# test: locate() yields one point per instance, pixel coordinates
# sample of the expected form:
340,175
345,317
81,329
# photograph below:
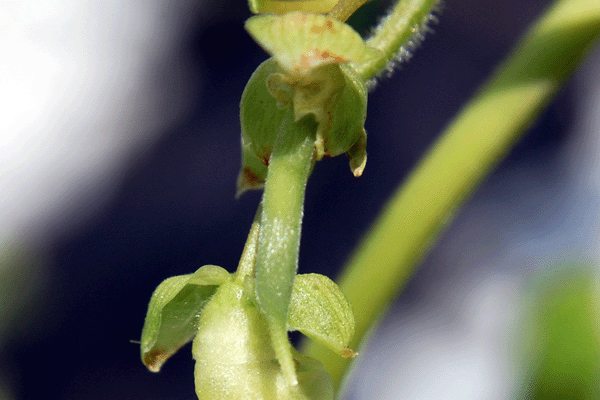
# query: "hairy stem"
279,240
407,19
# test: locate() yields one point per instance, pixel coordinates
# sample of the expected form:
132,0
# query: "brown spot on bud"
328,55
248,180
310,58
265,158
318,29
154,359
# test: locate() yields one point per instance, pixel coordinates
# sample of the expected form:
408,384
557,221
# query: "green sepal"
314,75
337,98
173,311
332,93
302,41
253,172
320,310
260,119
235,357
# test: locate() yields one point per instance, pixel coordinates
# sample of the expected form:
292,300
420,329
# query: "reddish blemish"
155,358
348,353
318,29
264,159
250,179
315,56
338,59
305,62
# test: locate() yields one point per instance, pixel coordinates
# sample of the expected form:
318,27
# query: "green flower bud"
310,72
235,359
234,353
337,98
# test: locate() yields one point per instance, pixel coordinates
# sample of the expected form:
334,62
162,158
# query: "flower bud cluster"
310,72
234,354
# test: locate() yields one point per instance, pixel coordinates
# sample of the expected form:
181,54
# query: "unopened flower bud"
235,359
309,72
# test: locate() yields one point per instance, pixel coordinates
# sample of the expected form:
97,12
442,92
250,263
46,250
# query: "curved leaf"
321,311
173,311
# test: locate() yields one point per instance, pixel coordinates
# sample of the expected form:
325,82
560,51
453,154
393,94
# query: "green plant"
308,102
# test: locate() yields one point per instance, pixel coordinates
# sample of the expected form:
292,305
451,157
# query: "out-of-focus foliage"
561,352
471,146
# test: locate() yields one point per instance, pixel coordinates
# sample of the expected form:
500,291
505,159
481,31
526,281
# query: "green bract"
172,317
309,72
320,310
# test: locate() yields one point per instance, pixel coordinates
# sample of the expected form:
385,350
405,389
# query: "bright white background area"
79,98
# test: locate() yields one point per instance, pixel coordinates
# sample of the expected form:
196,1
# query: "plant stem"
343,9
279,241
403,23
471,146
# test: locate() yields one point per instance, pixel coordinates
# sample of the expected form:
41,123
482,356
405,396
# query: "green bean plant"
309,101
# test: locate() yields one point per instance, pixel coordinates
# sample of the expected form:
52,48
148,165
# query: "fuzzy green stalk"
398,28
279,240
475,142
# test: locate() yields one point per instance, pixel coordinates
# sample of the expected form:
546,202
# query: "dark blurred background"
78,274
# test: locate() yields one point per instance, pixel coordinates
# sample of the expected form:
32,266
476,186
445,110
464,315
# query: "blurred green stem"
477,139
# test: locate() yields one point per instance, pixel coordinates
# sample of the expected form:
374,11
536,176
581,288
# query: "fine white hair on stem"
405,52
